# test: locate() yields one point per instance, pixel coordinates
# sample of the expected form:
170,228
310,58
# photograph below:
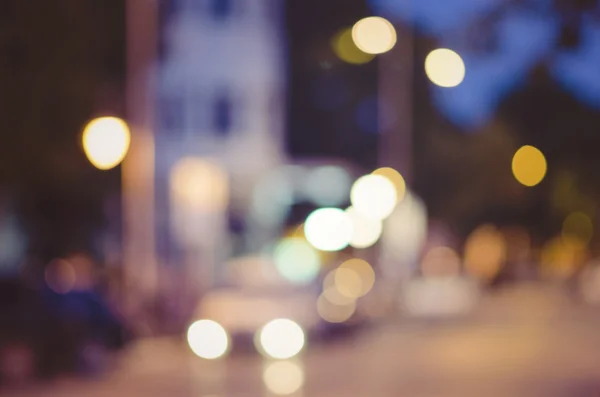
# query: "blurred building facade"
220,124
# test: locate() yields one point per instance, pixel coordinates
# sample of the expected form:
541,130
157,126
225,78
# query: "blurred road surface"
525,341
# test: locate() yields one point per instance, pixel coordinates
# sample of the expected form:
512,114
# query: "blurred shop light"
328,186
296,260
335,312
208,339
328,229
280,339
374,197
485,252
374,35
283,377
578,226
440,262
365,232
200,185
365,272
561,258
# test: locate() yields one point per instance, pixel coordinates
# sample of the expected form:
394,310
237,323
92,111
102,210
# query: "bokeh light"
208,339
529,166
395,177
106,142
561,258
60,276
283,377
296,260
281,339
485,252
328,186
440,262
374,35
335,312
365,232
345,48
578,226
445,68
200,184
348,282
328,229
365,272
373,197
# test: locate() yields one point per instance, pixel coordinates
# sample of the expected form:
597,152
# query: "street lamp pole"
396,104
139,254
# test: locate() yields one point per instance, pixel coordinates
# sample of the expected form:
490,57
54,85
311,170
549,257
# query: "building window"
171,114
222,113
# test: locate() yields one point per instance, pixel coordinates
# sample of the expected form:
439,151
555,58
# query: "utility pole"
139,254
396,104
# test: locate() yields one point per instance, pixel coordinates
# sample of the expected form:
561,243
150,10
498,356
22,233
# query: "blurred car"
254,295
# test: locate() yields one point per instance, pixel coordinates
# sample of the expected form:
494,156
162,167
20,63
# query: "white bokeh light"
281,339
445,68
328,229
296,260
283,377
374,35
208,339
374,197
365,231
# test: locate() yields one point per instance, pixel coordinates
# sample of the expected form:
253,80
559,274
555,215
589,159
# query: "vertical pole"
139,257
395,104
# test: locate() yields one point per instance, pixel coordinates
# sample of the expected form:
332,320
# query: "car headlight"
208,339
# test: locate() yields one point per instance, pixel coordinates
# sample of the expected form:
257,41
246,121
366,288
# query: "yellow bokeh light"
578,226
333,312
440,262
331,292
208,339
365,232
374,197
348,282
445,68
562,257
395,177
529,166
106,142
283,377
374,35
296,260
281,339
200,184
328,229
346,50
364,270
485,252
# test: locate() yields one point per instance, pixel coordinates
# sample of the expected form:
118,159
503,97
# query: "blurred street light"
445,68
374,35
529,166
106,142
